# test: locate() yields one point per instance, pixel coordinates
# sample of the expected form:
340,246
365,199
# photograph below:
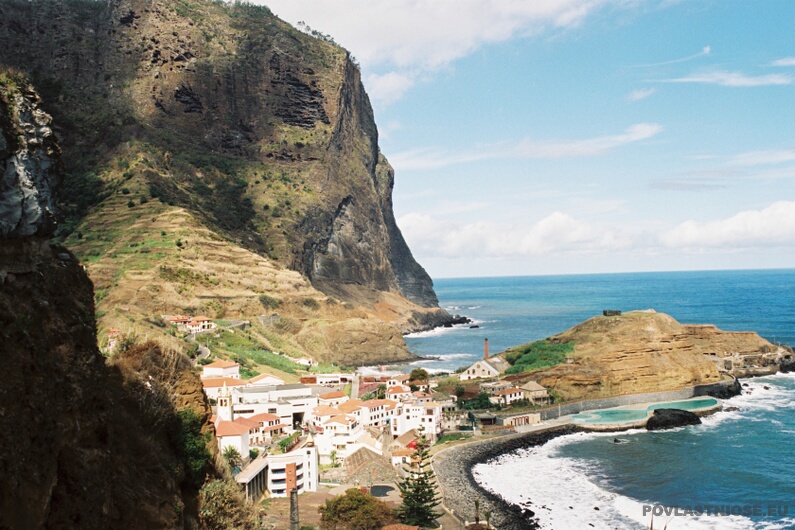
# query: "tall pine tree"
418,490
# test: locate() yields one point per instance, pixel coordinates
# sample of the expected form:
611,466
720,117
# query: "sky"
580,136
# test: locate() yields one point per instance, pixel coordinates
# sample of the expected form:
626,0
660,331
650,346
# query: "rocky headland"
645,351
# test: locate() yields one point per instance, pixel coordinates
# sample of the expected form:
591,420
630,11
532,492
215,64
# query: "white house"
232,434
398,393
402,457
212,387
486,367
221,368
507,396
332,399
535,392
199,324
425,416
264,380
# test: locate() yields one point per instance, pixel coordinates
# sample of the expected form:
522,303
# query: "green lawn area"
247,352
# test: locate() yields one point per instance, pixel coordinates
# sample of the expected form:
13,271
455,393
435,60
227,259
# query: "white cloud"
771,226
785,61
390,86
406,37
706,50
733,79
524,149
762,158
637,95
557,233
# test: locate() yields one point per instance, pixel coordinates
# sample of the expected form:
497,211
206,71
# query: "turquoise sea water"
741,460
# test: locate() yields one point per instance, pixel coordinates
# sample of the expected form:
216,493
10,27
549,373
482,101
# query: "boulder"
670,418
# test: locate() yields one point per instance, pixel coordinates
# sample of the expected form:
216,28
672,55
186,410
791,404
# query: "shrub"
311,303
192,446
130,203
223,505
269,302
537,355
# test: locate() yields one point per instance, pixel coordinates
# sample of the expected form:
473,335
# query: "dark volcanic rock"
29,164
787,365
670,418
726,391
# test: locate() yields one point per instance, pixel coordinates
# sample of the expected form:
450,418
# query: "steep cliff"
261,134
645,351
84,445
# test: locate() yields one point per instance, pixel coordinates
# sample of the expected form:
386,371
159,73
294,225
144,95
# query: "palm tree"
232,457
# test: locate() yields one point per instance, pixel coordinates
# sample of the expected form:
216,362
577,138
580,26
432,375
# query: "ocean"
740,463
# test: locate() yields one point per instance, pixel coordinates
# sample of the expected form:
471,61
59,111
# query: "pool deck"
639,423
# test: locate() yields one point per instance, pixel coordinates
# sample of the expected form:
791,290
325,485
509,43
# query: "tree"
418,490
480,402
355,510
232,457
418,374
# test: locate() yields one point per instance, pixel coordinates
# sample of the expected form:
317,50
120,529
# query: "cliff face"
644,351
262,134
84,445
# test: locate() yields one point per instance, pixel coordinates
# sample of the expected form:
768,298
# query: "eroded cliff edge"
84,445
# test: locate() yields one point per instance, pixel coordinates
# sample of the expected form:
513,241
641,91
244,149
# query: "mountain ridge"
261,134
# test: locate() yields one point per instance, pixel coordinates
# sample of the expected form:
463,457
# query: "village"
349,427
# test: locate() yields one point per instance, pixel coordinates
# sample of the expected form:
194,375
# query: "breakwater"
453,468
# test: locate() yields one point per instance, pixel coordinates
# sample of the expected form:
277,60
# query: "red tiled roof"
216,382
332,395
230,428
221,363
325,410
264,417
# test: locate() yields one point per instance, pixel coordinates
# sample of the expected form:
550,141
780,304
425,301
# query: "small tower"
486,349
224,401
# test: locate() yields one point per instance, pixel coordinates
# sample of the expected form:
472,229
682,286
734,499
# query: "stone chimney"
486,349
295,524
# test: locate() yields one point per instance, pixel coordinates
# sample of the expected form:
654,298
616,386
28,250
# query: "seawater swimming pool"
627,415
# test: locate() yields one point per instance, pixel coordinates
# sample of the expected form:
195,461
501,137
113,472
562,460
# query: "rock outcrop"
645,351
28,156
671,418
84,445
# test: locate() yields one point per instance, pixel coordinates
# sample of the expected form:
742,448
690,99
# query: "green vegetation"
480,402
192,446
232,457
268,302
418,490
355,510
247,352
223,505
537,355
287,443
419,374
452,437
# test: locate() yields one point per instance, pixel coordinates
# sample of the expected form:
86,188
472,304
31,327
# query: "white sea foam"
437,332
561,494
564,493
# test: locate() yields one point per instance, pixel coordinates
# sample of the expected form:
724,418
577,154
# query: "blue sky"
580,136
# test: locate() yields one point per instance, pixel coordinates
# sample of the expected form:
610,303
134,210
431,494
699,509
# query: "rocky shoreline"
453,468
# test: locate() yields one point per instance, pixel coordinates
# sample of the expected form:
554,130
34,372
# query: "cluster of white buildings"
197,324
257,412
